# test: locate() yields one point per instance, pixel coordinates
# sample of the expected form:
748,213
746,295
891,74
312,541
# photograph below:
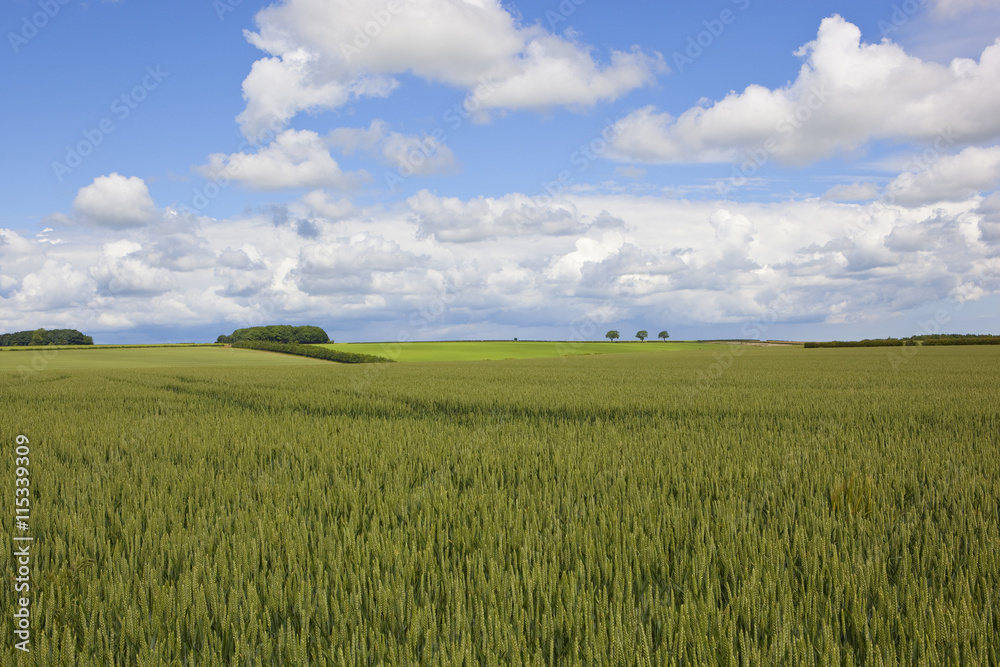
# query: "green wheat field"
675,505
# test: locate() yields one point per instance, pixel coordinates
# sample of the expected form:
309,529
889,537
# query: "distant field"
496,350
142,357
111,346
186,356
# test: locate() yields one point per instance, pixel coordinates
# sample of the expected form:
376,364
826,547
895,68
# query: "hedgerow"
313,351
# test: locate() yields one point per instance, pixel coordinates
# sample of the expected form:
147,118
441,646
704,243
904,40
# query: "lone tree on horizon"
642,335
664,335
611,335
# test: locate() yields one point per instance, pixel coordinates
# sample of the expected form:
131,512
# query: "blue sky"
475,169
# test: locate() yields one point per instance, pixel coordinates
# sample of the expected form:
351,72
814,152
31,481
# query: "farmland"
800,507
27,361
501,350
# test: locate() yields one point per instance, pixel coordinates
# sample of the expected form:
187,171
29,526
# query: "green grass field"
717,506
498,350
52,358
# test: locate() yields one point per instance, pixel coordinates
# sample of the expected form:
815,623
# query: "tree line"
43,337
642,335
277,333
932,339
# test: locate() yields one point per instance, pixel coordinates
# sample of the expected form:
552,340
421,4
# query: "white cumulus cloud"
115,201
846,95
121,271
56,285
453,220
295,159
950,178
324,53
318,204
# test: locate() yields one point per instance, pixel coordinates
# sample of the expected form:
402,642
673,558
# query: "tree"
278,333
611,335
664,335
309,334
45,337
642,335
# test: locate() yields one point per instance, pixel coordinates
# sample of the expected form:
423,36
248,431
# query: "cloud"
632,269
278,213
55,285
950,178
989,221
463,267
116,202
417,155
295,159
244,275
735,233
555,72
278,88
175,243
282,215
18,258
950,9
452,220
325,53
355,266
178,252
238,259
319,205
846,95
351,140
410,154
122,271
43,237
630,171
587,250
852,192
